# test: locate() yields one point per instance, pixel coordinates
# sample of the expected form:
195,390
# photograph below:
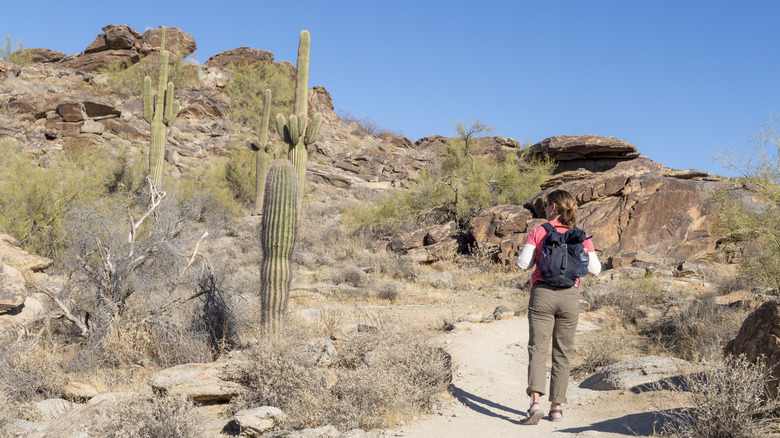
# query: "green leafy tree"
247,87
15,52
755,226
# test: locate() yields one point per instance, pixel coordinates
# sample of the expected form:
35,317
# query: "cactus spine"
159,111
296,130
261,146
277,236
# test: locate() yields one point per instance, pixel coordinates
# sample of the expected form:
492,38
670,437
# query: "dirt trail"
489,390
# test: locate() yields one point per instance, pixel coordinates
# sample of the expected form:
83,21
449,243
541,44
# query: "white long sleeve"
526,258
594,265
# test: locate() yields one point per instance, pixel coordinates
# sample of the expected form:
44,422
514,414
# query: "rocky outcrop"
41,56
591,152
759,339
119,44
240,56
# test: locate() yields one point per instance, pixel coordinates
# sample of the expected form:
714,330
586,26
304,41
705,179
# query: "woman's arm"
525,259
594,265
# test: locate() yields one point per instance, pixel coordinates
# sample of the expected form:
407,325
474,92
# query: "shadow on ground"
485,406
641,424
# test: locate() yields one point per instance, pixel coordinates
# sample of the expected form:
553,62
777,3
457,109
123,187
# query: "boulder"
114,37
9,69
201,382
177,42
417,238
255,422
592,152
42,56
636,373
759,337
90,62
79,392
239,57
11,253
13,289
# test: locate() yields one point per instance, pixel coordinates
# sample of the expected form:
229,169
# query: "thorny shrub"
698,331
374,380
728,399
149,415
31,372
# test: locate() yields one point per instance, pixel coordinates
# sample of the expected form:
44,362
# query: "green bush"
128,80
35,199
461,186
247,85
15,52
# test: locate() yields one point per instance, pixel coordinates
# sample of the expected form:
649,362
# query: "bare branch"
66,312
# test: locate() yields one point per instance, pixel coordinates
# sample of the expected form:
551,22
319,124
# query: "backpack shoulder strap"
547,226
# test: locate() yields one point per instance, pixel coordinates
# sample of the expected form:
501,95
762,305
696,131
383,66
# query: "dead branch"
66,312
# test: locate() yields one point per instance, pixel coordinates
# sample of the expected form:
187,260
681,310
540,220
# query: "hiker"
553,309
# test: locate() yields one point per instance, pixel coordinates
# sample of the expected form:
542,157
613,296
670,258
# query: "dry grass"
30,372
599,348
698,331
727,400
373,380
148,415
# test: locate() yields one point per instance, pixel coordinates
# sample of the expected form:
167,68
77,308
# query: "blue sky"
678,79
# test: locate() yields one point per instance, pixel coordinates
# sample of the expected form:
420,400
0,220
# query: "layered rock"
240,56
120,44
591,152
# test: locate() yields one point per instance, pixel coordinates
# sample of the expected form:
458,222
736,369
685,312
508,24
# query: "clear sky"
679,79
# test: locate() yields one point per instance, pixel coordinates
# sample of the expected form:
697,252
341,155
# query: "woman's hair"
566,206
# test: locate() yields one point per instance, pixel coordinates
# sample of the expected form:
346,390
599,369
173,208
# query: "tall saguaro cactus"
261,147
159,111
296,130
277,236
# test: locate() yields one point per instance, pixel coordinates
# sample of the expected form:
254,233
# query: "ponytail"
566,206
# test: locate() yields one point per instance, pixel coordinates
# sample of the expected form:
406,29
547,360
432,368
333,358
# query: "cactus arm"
281,128
277,236
295,134
148,100
302,78
261,147
314,129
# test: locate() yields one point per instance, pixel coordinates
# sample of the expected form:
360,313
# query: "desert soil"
488,397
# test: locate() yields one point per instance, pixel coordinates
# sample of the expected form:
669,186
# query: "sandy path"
489,389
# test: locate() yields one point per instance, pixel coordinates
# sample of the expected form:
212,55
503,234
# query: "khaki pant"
552,313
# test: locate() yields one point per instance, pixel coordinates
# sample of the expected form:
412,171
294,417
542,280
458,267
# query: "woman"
552,312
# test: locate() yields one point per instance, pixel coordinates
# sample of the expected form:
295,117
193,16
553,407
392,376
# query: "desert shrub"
350,275
247,85
148,415
15,52
755,225
34,200
625,298
698,331
128,80
7,413
371,126
30,372
455,190
140,295
375,380
387,291
240,174
599,348
728,399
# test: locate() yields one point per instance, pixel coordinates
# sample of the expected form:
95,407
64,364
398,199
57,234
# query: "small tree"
757,228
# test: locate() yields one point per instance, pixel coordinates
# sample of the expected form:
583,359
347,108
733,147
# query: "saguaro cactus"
277,236
159,111
261,147
296,130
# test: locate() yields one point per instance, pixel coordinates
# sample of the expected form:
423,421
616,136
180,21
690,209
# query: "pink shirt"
536,238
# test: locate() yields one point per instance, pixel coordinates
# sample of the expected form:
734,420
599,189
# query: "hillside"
162,312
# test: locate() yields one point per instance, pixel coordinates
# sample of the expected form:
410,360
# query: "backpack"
563,258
